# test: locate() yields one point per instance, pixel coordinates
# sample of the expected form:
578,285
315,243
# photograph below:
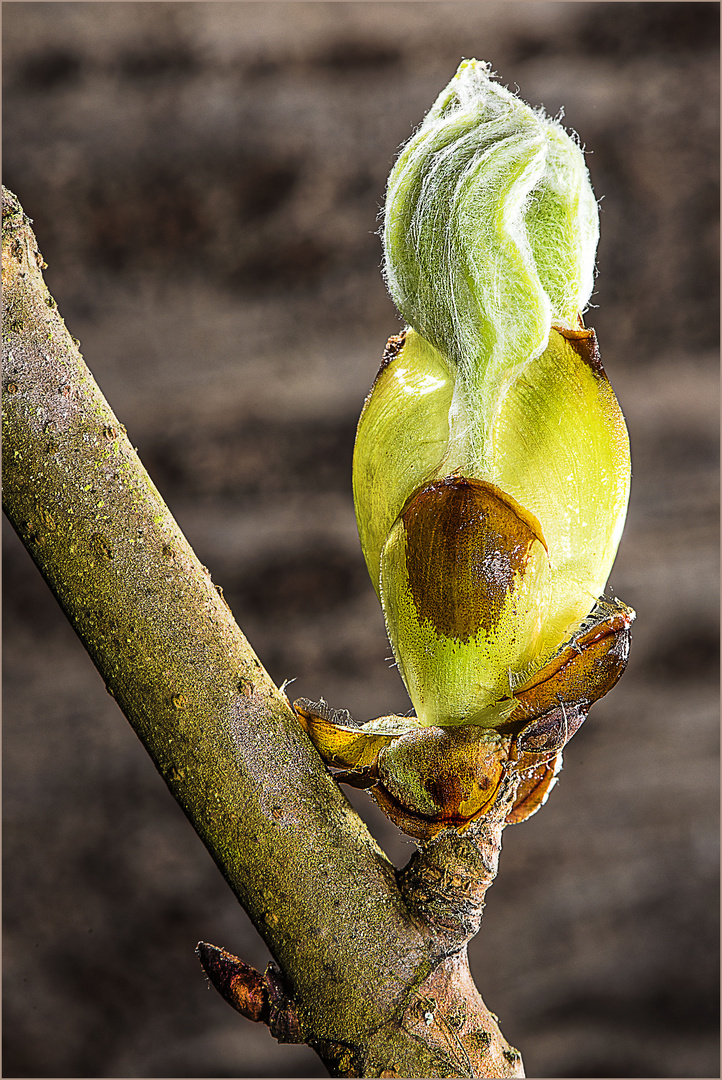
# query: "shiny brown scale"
465,541
582,671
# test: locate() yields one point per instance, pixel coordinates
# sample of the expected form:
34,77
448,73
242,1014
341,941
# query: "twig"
359,968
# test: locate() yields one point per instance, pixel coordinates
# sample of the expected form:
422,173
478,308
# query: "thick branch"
224,739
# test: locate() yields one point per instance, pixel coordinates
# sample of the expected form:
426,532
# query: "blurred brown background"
205,180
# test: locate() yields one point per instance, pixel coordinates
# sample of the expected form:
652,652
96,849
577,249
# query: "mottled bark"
367,979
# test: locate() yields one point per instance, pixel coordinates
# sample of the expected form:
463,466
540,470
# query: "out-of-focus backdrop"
205,181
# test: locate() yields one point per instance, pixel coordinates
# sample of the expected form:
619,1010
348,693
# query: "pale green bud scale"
404,432
559,445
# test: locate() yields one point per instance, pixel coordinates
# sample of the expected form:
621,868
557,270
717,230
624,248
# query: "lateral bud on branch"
261,998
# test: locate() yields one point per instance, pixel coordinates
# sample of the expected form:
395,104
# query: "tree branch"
360,968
